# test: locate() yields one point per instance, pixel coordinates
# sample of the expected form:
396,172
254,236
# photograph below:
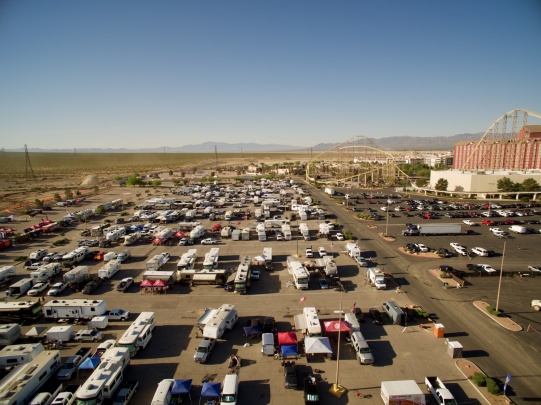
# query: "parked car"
104,243
323,283
322,252
204,350
88,335
38,288
57,288
209,241
124,284
444,252
339,236
488,268
536,269
421,247
290,375
309,252
472,266
91,286
118,315
255,274
30,265
69,367
446,269
126,393
358,312
376,316
469,222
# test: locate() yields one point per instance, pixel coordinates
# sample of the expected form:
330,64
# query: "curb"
515,327
470,381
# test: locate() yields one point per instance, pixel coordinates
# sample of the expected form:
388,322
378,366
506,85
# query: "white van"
43,398
267,342
162,396
352,322
230,389
362,350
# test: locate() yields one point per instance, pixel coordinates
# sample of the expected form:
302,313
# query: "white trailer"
376,278
258,214
211,259
131,238
223,318
187,260
353,250
329,191
406,391
9,333
235,234
197,232
303,229
75,275
74,309
157,261
324,229
300,275
169,277
22,383
267,256
60,333
6,272
286,231
311,320
245,234
46,272
261,232
21,286
109,269
276,223
14,355
226,232
439,229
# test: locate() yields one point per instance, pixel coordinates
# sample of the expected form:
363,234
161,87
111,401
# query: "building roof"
533,128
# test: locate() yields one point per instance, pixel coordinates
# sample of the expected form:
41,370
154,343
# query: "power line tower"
28,164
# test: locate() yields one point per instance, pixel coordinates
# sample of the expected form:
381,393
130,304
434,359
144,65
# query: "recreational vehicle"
187,260
139,333
211,259
244,275
15,311
221,319
74,309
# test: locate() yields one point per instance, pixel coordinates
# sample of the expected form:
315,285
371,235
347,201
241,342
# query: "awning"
335,326
300,323
315,345
211,390
287,338
289,350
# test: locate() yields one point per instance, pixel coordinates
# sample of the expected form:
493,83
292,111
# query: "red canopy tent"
180,234
335,326
158,283
287,338
145,284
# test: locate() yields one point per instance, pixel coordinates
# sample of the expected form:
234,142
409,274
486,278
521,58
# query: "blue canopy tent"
182,387
89,364
289,350
211,390
253,331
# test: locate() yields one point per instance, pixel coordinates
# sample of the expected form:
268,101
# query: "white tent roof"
317,345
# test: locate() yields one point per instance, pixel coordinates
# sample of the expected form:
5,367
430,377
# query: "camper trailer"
74,309
224,318
187,260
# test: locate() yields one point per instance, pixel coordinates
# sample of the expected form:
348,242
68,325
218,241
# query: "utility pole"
216,155
501,274
28,164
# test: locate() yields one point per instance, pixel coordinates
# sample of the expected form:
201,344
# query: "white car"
118,315
88,335
456,245
57,288
479,251
322,252
339,236
488,268
38,288
309,252
209,241
535,268
494,230
462,251
422,247
469,222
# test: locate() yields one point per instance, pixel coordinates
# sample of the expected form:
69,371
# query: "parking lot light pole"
387,222
501,275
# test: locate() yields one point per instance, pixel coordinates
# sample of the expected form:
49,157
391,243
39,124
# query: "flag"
303,299
353,306
507,379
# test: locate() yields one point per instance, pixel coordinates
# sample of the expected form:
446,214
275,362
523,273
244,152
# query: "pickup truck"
290,375
66,396
69,367
311,391
126,393
84,352
204,350
440,392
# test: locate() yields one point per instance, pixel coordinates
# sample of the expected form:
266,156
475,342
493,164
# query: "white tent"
313,345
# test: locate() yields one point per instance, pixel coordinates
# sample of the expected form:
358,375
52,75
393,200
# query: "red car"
99,256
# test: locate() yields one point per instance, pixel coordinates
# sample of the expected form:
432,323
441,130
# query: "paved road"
497,351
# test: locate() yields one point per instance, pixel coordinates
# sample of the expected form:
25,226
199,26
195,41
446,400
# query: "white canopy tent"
313,345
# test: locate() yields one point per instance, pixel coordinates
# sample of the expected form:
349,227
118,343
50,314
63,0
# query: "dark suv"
359,314
91,286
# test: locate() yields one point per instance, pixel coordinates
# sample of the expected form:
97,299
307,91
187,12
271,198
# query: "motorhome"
16,311
211,259
308,322
109,269
243,276
245,234
221,319
376,278
74,309
267,256
298,272
197,232
46,272
9,333
105,378
157,261
205,276
286,231
139,333
74,257
131,238
353,250
276,223
261,233
187,260
24,381
13,355
303,229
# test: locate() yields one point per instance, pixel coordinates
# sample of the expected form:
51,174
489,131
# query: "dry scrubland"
54,172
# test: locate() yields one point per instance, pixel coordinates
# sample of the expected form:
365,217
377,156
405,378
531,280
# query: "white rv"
300,275
211,259
311,321
353,250
14,355
286,231
9,333
223,318
157,261
74,257
131,238
105,378
197,232
376,278
187,260
109,269
303,229
23,382
6,272
243,276
46,272
139,333
74,309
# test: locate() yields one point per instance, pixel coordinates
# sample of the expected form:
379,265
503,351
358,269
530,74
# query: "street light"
336,389
387,223
501,275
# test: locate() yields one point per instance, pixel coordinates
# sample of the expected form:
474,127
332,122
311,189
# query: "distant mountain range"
390,143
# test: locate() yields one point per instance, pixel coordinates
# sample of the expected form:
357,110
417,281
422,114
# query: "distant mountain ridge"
389,143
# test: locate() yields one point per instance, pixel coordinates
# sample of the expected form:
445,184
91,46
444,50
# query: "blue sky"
171,73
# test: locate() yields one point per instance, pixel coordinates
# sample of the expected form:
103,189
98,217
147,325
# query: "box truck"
402,392
376,278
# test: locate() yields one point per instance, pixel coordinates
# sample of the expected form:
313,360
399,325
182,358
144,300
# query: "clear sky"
129,73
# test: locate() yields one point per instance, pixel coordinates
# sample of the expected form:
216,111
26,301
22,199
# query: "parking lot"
400,352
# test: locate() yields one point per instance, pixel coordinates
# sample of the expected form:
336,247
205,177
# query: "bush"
493,311
479,379
59,242
20,259
492,387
